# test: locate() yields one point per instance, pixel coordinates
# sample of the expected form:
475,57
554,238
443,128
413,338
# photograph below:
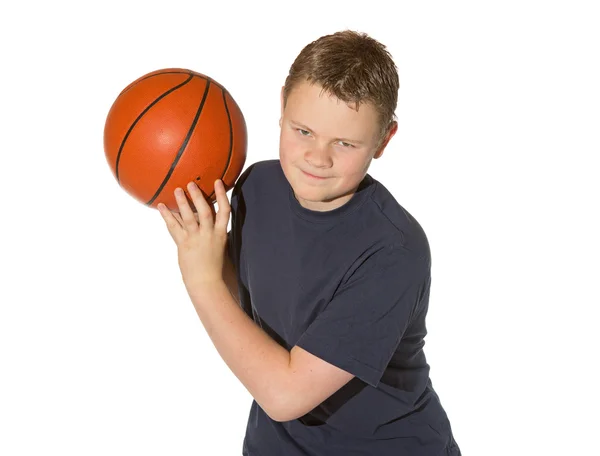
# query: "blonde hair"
353,67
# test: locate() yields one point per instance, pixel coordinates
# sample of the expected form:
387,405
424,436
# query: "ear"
391,132
282,107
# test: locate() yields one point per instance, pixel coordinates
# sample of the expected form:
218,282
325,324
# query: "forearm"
260,363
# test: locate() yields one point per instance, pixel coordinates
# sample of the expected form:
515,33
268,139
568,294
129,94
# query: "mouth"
312,176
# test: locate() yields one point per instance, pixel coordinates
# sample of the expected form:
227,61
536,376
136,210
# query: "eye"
345,144
303,132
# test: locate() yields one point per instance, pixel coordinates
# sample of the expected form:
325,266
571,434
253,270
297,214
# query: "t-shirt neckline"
363,191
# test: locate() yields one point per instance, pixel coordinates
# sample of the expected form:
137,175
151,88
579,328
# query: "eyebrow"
348,140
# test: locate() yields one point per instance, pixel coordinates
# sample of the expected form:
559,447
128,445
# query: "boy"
317,298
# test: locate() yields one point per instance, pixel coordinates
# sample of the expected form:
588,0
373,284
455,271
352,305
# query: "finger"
180,220
185,211
172,224
205,214
178,217
213,211
222,217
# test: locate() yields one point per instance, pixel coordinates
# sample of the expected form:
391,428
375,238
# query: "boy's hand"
201,239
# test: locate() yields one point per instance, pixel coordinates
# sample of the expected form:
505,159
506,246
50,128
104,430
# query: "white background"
101,351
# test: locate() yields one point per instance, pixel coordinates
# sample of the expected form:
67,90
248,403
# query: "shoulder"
402,228
260,186
256,174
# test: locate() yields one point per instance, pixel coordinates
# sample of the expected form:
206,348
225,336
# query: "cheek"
288,147
352,166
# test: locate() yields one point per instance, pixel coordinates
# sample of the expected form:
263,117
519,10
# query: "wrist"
202,288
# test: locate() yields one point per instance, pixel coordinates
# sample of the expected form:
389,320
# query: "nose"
318,156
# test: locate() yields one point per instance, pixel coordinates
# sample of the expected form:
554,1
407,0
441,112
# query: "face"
326,146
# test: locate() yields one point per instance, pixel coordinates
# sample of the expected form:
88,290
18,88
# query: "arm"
285,385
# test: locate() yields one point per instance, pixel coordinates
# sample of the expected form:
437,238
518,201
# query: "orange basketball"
170,127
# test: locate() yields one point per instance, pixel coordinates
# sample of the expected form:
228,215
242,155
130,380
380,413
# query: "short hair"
352,66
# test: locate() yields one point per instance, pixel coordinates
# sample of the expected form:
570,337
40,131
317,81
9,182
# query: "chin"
309,194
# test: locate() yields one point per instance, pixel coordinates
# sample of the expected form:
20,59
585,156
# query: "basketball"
170,127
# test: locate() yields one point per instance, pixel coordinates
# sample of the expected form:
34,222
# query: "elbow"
286,407
276,411
282,415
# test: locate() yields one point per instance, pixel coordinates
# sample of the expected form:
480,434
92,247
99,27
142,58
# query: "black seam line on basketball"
208,78
230,153
183,146
188,72
138,119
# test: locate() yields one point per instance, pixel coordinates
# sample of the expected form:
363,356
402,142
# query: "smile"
313,177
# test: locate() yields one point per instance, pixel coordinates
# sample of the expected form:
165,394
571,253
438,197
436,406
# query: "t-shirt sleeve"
362,325
233,233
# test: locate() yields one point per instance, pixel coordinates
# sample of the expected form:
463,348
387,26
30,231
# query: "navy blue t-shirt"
351,286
